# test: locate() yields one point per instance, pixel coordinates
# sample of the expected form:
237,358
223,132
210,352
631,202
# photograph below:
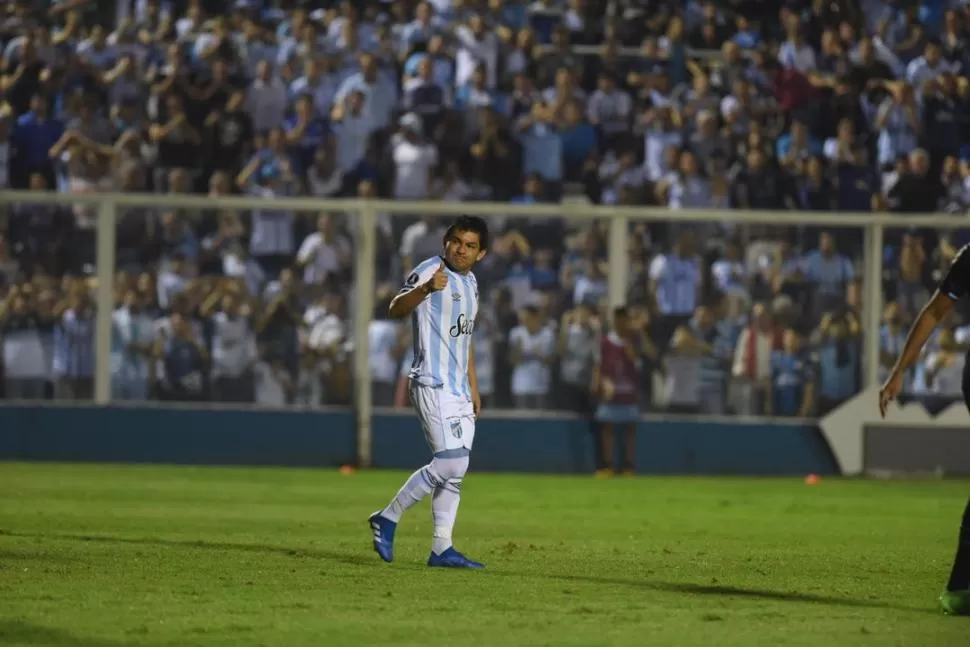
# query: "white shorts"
448,420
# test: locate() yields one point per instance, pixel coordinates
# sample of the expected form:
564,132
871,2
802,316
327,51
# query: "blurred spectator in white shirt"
414,158
266,100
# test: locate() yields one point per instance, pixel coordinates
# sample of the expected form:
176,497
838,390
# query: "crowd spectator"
849,106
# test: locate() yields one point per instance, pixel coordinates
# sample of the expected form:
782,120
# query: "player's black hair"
473,224
620,312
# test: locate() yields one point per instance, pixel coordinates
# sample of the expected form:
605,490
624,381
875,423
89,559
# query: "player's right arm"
932,313
425,279
954,286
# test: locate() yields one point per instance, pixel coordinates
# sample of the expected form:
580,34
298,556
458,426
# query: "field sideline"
111,556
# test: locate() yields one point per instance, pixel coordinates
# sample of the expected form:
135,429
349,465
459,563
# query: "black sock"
960,576
598,458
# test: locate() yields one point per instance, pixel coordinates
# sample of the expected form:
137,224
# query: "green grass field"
105,556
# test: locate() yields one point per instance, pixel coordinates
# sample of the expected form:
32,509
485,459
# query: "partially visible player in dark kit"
956,285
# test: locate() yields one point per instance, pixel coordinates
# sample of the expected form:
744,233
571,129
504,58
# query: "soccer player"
955,285
441,297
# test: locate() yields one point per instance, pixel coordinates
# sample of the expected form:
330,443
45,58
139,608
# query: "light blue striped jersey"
830,274
74,345
678,280
442,327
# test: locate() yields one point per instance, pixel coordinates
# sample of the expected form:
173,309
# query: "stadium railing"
365,213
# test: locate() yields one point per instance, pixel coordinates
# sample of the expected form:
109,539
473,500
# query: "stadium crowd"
846,105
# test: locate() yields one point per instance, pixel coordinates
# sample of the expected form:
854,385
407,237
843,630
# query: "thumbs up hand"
439,280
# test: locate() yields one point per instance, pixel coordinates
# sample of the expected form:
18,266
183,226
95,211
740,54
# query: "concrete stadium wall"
307,439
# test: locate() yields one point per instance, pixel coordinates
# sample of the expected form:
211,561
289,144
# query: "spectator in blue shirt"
380,91
579,140
838,360
797,146
792,379
306,132
541,145
420,30
543,17
543,273
184,357
34,134
476,94
442,67
856,182
747,36
829,272
941,117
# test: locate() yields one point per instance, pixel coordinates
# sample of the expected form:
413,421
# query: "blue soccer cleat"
451,558
383,530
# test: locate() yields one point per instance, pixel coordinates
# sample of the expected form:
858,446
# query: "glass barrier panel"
233,306
749,319
915,261
49,280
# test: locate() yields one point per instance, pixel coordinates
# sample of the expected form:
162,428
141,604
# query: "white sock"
444,509
419,485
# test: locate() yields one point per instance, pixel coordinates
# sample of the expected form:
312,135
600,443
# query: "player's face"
463,249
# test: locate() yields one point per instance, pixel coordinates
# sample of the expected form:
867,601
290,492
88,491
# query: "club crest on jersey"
456,429
456,296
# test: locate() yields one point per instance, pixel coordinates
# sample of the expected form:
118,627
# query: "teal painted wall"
326,439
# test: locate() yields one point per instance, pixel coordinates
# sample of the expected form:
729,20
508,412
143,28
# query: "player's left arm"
473,379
